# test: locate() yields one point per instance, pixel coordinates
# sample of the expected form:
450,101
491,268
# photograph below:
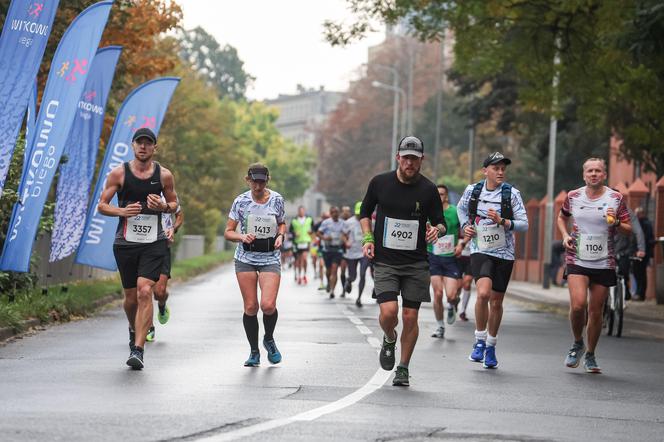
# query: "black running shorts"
166,266
605,277
411,281
143,261
487,266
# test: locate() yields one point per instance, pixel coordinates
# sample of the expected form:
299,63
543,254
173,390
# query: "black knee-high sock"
270,321
251,329
343,279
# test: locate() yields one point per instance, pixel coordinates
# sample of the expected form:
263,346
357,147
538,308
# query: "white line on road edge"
363,329
374,384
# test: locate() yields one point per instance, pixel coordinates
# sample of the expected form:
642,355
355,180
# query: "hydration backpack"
505,201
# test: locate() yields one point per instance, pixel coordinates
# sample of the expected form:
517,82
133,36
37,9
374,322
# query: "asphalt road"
70,382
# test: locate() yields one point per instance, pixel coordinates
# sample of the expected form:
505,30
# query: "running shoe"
331,295
150,336
451,315
358,302
273,354
304,280
164,316
478,351
132,339
387,350
590,364
490,360
401,377
321,287
349,287
135,360
463,316
254,359
574,355
439,333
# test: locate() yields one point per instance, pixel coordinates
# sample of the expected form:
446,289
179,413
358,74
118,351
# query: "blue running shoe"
254,359
273,354
478,351
490,360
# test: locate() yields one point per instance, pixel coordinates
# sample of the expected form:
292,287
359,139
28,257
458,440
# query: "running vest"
138,230
505,201
301,230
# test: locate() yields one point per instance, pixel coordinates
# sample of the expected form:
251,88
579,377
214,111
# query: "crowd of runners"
405,233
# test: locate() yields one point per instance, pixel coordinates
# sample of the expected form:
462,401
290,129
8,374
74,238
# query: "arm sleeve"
280,210
436,215
520,221
462,207
637,231
370,200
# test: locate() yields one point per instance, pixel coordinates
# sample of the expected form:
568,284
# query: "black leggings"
352,271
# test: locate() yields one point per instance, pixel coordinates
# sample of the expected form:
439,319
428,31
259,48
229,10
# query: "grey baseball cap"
411,145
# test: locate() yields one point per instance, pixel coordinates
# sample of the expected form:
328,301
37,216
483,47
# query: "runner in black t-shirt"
409,214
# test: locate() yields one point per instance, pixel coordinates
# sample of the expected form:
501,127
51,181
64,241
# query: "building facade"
300,115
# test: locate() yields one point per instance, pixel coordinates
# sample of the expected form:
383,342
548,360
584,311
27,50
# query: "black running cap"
258,172
144,132
496,158
411,145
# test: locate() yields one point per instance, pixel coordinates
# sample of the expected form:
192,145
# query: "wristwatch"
502,221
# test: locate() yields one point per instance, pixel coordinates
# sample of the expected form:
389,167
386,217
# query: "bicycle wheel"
619,306
610,317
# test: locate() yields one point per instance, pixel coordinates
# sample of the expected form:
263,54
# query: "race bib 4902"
400,234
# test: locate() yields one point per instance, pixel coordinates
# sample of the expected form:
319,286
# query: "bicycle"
614,307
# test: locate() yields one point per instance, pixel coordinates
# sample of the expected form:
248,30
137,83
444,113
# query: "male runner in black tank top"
140,242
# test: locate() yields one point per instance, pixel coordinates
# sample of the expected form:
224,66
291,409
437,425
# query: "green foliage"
260,141
610,54
220,67
213,221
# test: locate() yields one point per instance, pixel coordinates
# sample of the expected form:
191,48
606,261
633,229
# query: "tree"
221,67
260,141
610,55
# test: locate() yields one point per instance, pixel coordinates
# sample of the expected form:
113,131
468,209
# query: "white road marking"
377,381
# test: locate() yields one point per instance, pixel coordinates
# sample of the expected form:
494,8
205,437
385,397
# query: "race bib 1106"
400,234
592,247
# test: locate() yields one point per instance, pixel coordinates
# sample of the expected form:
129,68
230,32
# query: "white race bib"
141,228
490,237
303,246
335,240
400,234
444,245
592,247
262,226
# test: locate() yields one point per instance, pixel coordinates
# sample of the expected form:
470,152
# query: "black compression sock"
270,322
251,329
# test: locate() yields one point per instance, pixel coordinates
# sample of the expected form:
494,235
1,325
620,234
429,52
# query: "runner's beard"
409,177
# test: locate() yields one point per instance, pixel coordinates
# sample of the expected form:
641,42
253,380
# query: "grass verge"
78,299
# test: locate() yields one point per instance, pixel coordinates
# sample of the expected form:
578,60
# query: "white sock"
465,297
441,322
450,306
491,341
481,335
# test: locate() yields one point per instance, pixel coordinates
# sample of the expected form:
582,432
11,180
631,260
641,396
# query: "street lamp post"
395,116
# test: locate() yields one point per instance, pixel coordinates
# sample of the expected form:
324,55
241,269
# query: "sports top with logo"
260,219
353,231
146,227
493,239
444,246
595,243
402,214
334,229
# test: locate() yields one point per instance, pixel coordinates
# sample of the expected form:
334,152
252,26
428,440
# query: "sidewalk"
641,318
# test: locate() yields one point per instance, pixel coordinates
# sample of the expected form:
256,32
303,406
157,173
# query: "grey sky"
281,42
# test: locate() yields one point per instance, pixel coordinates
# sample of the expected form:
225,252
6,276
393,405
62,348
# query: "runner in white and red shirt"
598,212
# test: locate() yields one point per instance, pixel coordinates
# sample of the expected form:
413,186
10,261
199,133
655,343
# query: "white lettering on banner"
35,177
91,107
28,26
118,155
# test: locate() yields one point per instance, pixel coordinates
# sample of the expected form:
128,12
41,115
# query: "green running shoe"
163,317
401,377
150,336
